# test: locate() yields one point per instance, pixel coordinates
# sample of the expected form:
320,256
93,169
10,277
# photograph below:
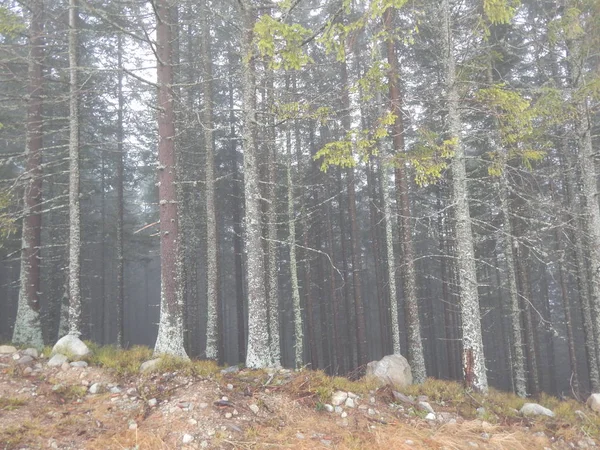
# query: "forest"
308,183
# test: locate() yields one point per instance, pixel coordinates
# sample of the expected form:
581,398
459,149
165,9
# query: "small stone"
150,366
57,360
25,360
85,383
409,442
132,425
202,405
371,412
230,369
95,388
338,409
254,408
338,398
474,444
228,415
326,442
224,399
372,400
204,444
54,444
152,402
426,407
131,391
193,422
352,395
235,412
79,364
65,366
16,356
31,352
344,415
481,411
187,438
299,435
27,370
230,387
7,349
350,403
115,390
328,407
430,416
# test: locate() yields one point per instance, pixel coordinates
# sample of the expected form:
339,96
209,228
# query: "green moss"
122,362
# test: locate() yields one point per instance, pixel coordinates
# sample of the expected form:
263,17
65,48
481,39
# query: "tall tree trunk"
212,281
170,338
258,353
413,325
74,207
28,327
473,360
120,243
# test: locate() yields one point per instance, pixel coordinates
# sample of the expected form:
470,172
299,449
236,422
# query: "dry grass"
11,403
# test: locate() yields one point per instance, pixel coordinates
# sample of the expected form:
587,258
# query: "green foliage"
121,362
500,11
373,81
10,403
10,24
429,156
7,221
281,43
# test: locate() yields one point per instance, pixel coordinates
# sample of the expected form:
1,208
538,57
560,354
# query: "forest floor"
199,405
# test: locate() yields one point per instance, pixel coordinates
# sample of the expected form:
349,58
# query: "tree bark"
171,328
120,243
28,326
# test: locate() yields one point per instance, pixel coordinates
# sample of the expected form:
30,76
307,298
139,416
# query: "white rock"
152,402
338,409
352,395
150,366
391,369
328,407
27,370
16,356
225,399
430,416
344,415
350,403
95,388
533,409
31,352
409,442
57,360
230,387
299,436
132,425
594,402
338,398
228,415
187,438
7,349
371,411
427,407
71,345
254,408
79,364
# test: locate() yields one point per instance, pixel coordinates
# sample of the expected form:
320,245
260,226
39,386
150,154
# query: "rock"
7,349
27,371
338,398
391,369
230,369
71,345
430,416
328,407
65,366
481,411
254,408
338,409
57,360
299,436
533,409
152,402
25,360
187,438
371,412
79,364
16,356
350,403
115,390
344,415
150,366
31,352
426,407
228,415
95,388
230,387
132,425
202,405
352,395
594,402
403,398
326,442
409,442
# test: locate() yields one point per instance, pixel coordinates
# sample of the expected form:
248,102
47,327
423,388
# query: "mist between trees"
309,183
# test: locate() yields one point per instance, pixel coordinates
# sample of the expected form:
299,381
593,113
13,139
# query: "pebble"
152,402
350,402
326,442
371,412
115,390
187,438
409,442
344,415
328,407
338,409
193,422
254,408
230,387
79,364
338,398
16,356
204,444
225,399
27,370
372,400
299,435
235,412
95,388
202,405
132,425
430,416
228,415
85,383
31,352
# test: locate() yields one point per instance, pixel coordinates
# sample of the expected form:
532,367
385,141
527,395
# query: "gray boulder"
594,402
392,370
71,345
57,360
31,352
533,409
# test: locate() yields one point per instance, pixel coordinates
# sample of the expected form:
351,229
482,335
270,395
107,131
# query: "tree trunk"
28,327
258,353
411,308
120,293
171,328
473,360
74,207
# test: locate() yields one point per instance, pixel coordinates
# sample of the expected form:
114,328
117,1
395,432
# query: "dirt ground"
52,408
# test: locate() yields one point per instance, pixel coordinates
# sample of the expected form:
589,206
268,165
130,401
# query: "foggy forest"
307,183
